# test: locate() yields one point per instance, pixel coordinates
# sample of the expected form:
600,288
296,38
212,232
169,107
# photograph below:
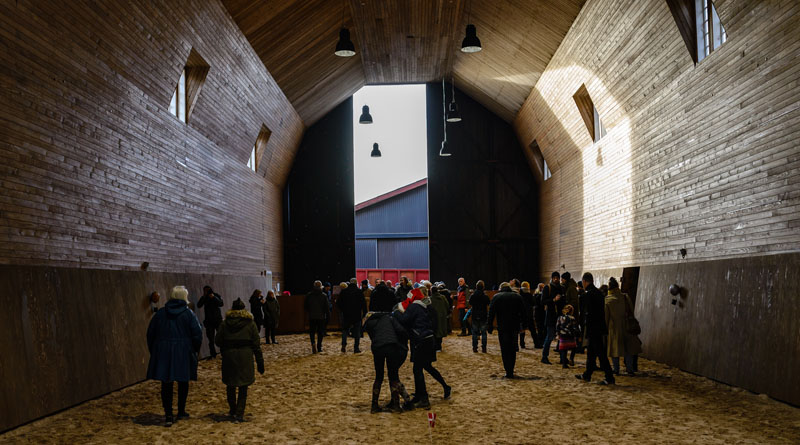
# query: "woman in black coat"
389,346
174,338
257,309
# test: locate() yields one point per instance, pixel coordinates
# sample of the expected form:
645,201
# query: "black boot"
376,393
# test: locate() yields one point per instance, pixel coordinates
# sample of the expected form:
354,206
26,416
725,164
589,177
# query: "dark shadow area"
148,419
319,238
483,200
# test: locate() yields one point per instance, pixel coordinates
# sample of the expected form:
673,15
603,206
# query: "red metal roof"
391,194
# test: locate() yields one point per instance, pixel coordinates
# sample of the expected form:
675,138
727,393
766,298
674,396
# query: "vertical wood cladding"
699,157
96,173
482,200
319,213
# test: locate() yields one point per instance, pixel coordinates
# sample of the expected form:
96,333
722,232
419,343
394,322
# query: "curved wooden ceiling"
404,41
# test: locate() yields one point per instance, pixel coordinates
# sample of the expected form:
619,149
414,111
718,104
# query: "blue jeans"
356,331
478,329
548,340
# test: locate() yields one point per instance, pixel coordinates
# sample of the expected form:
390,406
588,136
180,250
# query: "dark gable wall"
91,186
482,200
319,216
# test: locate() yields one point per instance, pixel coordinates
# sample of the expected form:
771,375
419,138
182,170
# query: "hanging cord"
444,110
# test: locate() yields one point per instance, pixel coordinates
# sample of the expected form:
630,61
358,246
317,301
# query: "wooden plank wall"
704,158
700,157
96,177
81,333
95,171
738,318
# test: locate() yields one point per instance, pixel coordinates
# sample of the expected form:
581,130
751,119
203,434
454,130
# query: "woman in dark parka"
174,337
257,308
389,346
239,343
272,314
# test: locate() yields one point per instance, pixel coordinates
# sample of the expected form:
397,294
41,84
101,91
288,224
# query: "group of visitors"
174,337
577,316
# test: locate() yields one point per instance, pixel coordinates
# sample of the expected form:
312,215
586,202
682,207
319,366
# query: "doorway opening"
391,183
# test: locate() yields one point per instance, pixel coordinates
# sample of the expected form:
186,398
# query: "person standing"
353,306
272,315
382,299
595,329
568,333
571,296
616,317
461,304
389,347
212,301
403,289
174,337
539,317
443,291
507,306
239,343
527,318
479,302
551,296
257,309
439,306
417,320
316,306
326,289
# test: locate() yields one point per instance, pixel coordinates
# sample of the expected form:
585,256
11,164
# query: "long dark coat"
239,342
272,312
174,337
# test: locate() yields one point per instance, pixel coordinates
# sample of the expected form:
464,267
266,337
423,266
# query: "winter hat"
413,295
566,276
179,293
238,304
416,285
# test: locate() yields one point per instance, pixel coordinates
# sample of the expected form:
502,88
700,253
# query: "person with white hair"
174,337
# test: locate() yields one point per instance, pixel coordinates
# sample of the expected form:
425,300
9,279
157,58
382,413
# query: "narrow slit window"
257,153
547,173
188,87
589,114
251,163
710,32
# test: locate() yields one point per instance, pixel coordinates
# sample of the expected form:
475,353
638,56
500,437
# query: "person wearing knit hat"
174,337
419,321
239,344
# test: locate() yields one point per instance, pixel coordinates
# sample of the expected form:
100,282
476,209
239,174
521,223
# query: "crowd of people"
570,317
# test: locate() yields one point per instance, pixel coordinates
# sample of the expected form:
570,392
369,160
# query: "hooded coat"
384,330
616,321
419,323
239,343
272,312
174,337
440,307
508,307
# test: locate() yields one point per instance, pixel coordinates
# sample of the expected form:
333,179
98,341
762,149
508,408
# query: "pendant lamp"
376,153
452,110
471,42
365,118
345,47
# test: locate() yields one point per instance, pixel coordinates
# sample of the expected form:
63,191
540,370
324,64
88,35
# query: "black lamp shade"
375,152
345,47
452,113
471,42
442,151
365,118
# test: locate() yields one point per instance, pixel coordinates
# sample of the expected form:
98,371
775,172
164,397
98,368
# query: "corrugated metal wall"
366,254
402,253
403,214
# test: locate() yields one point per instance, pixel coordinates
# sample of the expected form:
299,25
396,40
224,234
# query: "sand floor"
325,398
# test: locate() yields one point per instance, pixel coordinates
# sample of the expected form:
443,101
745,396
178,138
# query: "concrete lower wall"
75,334
737,321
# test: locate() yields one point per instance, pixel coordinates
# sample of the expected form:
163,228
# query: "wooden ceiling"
404,41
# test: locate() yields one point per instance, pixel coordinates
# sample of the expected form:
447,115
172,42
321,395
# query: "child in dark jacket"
239,343
568,332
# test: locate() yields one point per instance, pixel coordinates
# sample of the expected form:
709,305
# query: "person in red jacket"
461,305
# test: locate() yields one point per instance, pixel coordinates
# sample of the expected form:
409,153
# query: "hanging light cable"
471,42
452,110
345,47
444,122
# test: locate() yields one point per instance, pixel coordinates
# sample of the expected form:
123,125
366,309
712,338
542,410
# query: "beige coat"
616,322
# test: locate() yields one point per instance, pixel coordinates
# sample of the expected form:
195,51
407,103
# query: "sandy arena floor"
304,398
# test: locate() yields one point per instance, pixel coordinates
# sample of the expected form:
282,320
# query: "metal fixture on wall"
683,253
442,151
376,153
452,110
345,47
365,118
471,42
